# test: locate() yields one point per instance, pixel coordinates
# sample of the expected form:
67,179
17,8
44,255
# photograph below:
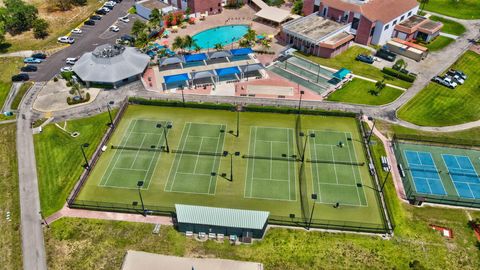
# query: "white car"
114,28
66,39
66,69
71,60
77,31
106,9
110,3
124,19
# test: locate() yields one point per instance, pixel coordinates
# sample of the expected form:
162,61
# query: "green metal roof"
225,217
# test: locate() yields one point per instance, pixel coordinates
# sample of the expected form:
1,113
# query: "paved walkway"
11,96
448,35
17,54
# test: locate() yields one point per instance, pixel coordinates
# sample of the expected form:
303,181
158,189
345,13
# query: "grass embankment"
8,67
10,239
462,9
360,91
21,92
438,43
59,158
438,105
61,23
449,26
347,60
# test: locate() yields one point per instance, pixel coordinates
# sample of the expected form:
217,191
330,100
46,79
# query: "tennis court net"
471,174
197,153
135,148
286,158
336,162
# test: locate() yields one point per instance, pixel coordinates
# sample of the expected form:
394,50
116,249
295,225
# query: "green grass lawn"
8,67
449,26
359,91
437,105
347,60
462,9
10,239
21,92
59,158
439,43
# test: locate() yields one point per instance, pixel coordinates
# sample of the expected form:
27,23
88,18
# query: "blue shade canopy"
227,71
241,51
341,73
176,78
195,57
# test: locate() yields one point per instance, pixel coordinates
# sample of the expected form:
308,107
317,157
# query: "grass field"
439,43
61,23
462,9
10,241
359,91
8,67
59,158
265,172
449,26
437,105
347,60
21,92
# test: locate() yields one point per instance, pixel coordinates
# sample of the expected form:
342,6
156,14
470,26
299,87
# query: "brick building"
372,21
198,6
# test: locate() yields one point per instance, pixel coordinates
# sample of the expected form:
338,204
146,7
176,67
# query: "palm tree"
196,47
266,44
379,85
218,46
423,3
155,18
188,42
178,43
244,43
251,35
138,27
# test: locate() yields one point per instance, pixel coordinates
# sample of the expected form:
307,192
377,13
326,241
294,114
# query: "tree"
423,3
138,27
155,18
178,43
250,36
18,16
379,85
266,44
142,40
244,43
297,7
218,46
189,42
399,64
196,48
40,28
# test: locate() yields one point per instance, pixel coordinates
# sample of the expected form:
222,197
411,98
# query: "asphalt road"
91,37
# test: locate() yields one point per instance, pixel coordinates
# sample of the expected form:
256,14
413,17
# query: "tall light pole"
225,153
311,135
371,131
110,115
300,100
381,187
82,146
165,127
139,186
314,198
238,123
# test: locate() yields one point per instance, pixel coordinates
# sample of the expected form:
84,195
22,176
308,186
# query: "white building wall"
381,36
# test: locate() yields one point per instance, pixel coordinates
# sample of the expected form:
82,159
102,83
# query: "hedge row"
174,103
72,101
290,110
398,74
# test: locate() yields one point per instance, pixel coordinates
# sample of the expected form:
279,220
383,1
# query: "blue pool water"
223,34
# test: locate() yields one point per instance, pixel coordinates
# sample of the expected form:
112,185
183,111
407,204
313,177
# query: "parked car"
107,9
459,73
386,54
101,11
71,60
65,39
457,78
20,77
31,60
96,17
444,82
449,81
66,69
76,31
365,58
110,3
39,55
124,19
117,1
89,22
29,68
127,38
114,28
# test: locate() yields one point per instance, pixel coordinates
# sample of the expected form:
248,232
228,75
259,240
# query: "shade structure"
227,71
195,57
202,74
176,78
164,61
241,51
341,73
273,14
252,67
219,54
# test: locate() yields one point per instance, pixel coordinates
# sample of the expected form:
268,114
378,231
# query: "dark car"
29,68
364,58
20,77
117,1
101,12
386,54
89,22
39,55
127,38
96,17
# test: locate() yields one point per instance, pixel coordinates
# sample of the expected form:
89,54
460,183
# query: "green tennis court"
131,161
335,168
197,159
267,176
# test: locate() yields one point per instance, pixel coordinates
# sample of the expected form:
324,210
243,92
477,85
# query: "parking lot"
91,37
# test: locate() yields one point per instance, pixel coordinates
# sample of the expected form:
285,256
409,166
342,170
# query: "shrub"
174,103
69,83
291,110
71,101
399,75
55,79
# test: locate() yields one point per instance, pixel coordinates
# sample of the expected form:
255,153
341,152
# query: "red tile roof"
374,10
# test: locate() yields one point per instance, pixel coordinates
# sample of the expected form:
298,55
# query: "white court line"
274,141
450,176
175,159
334,165
138,151
130,169
353,170
288,163
188,173
215,160
253,161
317,175
155,156
271,179
198,155
204,137
248,163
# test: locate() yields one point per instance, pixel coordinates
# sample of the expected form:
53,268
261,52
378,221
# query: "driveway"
91,37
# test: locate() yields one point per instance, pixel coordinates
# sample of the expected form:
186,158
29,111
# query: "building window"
372,31
386,27
394,22
403,17
409,14
324,13
355,23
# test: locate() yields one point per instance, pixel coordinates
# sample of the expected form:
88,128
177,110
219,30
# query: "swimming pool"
223,34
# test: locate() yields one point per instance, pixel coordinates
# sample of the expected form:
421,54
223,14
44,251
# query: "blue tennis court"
424,173
463,175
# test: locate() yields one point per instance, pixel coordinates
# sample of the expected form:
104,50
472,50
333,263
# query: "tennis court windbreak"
176,78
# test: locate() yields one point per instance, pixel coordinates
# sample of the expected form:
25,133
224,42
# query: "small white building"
144,8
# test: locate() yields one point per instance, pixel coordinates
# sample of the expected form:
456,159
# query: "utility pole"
82,146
